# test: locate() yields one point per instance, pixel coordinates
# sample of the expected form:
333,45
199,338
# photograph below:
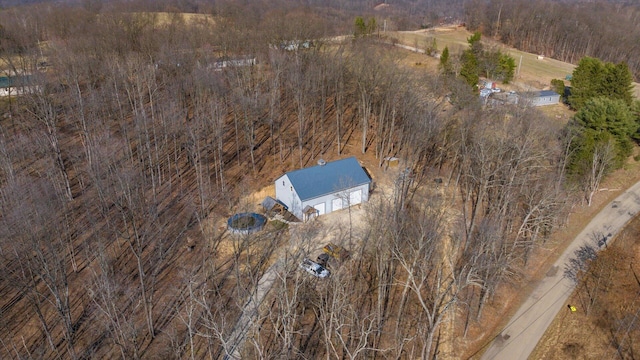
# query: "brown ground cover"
606,323
509,298
206,235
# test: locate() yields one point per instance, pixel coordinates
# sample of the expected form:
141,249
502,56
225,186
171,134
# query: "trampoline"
246,223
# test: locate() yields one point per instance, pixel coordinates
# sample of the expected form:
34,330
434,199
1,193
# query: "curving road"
521,335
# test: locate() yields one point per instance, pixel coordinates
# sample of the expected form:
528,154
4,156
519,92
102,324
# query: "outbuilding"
324,188
545,97
17,85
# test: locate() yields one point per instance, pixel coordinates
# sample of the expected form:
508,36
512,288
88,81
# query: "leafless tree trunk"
600,163
43,111
37,255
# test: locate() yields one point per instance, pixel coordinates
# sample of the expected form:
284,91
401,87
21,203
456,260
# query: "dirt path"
250,312
518,339
332,225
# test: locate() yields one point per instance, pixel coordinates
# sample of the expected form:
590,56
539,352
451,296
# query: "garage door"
336,204
355,197
320,208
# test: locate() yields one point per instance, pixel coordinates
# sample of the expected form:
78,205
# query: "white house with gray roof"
324,188
544,97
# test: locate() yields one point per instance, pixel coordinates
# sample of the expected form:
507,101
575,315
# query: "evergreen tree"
592,158
558,86
617,83
371,26
445,62
476,61
469,70
432,49
592,78
474,43
635,110
585,81
612,116
360,27
506,68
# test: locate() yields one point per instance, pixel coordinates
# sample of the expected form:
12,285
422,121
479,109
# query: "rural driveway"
518,339
250,312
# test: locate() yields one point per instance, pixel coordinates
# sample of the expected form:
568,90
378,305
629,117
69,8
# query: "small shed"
326,187
309,213
392,161
272,206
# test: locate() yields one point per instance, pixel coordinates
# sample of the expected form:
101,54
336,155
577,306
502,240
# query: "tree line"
566,31
476,61
601,134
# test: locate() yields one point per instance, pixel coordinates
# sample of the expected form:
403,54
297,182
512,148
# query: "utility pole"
519,66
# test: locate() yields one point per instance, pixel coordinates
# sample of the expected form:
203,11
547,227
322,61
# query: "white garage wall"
320,207
355,197
337,201
336,204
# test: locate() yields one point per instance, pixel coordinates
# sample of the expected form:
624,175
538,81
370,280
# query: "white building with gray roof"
324,188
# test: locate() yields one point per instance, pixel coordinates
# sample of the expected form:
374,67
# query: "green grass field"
533,72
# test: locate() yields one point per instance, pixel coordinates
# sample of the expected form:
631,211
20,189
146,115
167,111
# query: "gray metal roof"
545,93
330,178
19,80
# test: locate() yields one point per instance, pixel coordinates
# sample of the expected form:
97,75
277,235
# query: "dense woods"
146,128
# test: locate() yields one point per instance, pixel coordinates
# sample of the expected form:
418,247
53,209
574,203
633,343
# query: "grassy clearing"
534,72
164,18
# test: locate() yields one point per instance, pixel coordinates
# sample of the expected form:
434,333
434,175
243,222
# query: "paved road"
524,330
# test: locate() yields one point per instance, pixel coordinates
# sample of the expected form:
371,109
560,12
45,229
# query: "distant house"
294,45
235,62
17,85
324,188
544,97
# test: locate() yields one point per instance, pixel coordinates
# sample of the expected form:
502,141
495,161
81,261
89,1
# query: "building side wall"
547,100
287,194
328,199
16,91
366,188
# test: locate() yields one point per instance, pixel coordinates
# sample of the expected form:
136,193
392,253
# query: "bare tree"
428,278
116,304
43,111
600,163
36,257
